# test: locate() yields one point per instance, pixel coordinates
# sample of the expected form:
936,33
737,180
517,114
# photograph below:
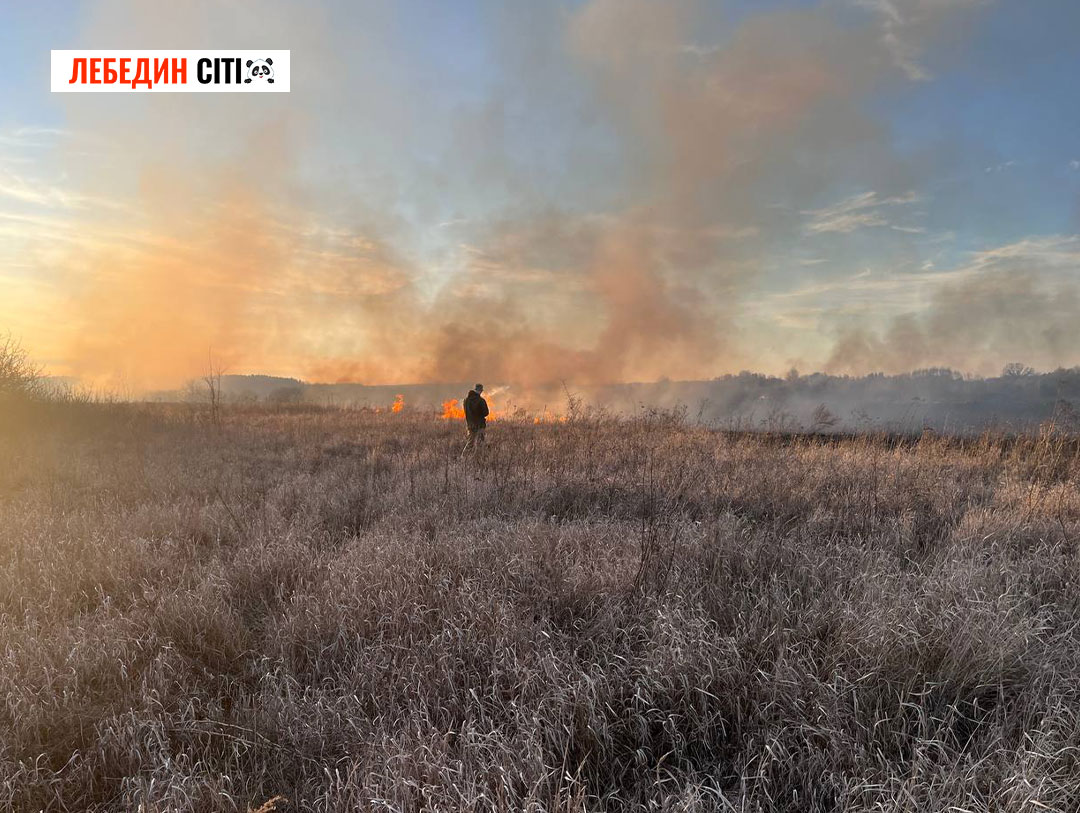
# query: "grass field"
602,614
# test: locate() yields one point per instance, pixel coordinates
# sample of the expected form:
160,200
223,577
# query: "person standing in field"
476,412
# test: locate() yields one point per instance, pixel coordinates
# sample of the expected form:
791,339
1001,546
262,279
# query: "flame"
452,410
399,404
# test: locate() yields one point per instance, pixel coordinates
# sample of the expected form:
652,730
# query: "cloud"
29,136
906,25
863,210
26,189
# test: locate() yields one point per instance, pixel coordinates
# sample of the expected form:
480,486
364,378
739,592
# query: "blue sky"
603,189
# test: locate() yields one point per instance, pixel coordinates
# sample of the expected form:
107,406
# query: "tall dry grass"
331,607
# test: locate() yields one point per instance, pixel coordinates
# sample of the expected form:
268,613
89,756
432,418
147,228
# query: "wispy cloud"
1052,256
23,136
904,25
858,211
25,190
1047,253
884,289
23,186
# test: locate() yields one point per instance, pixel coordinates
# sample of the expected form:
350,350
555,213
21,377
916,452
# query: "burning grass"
454,410
328,606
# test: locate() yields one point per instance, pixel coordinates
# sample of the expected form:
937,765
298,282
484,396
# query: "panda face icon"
260,69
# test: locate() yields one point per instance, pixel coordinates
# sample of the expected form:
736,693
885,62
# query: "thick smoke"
662,275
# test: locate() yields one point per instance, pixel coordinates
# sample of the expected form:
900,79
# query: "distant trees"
1014,369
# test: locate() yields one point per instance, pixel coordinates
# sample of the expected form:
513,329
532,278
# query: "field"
204,612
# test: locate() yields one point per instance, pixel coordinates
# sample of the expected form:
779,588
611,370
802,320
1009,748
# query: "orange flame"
452,410
399,403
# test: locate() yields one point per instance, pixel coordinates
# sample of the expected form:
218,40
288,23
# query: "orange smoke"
399,403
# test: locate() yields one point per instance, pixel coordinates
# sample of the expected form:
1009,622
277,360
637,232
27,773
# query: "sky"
590,191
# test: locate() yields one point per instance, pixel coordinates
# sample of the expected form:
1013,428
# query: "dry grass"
617,615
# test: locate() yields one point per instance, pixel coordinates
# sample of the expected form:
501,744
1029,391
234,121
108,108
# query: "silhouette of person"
476,412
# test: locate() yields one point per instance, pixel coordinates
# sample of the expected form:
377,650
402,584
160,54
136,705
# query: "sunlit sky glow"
530,191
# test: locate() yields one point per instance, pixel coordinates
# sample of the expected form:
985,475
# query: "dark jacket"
476,410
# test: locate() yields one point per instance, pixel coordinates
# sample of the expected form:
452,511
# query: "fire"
399,403
452,410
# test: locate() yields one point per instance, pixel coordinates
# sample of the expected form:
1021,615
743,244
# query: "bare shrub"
823,418
19,376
